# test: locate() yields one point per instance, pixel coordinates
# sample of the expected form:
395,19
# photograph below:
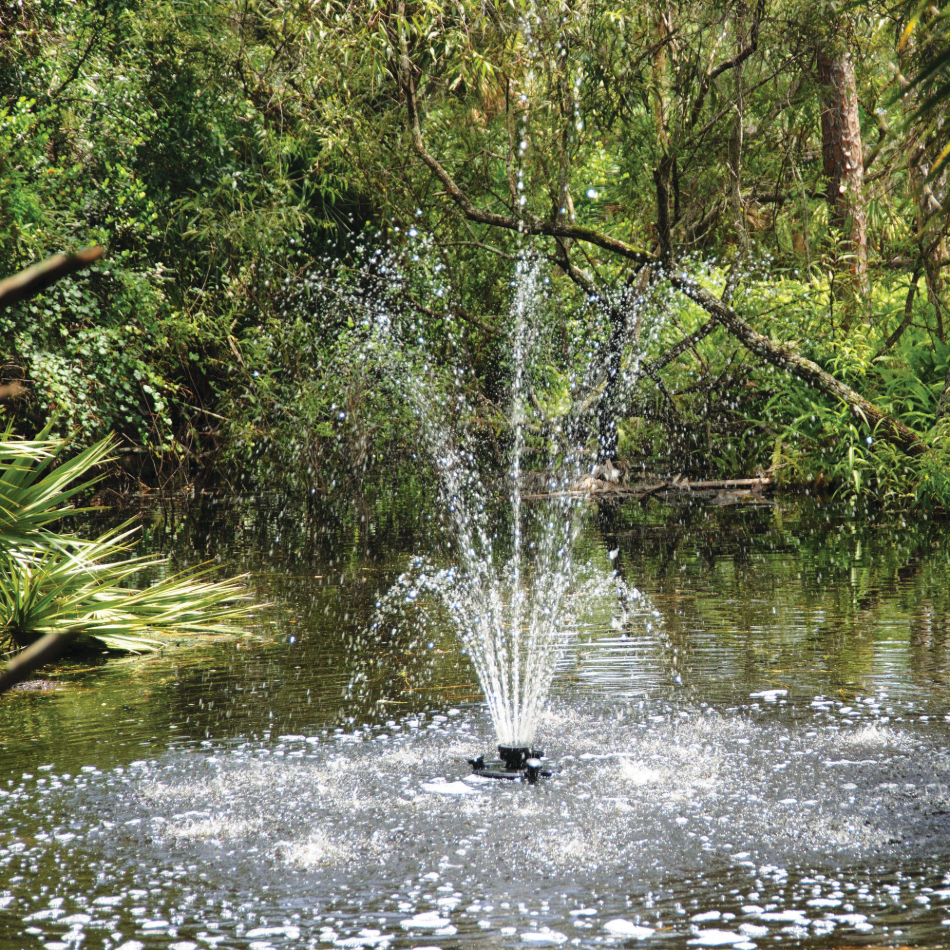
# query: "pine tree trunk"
843,158
928,195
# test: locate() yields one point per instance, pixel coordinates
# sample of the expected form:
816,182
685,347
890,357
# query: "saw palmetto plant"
58,582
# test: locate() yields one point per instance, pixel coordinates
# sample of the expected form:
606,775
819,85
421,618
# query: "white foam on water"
449,788
544,937
427,921
717,938
619,927
659,793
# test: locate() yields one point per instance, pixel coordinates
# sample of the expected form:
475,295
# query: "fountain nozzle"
515,757
516,762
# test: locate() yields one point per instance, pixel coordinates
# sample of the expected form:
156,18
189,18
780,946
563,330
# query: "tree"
659,157
843,155
783,357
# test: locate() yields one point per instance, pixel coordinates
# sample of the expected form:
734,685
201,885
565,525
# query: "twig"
908,312
40,276
35,655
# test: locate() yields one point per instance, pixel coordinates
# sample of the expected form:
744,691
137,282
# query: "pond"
759,759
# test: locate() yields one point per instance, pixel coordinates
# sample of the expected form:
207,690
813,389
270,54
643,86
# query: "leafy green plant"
933,486
34,492
825,445
65,590
54,582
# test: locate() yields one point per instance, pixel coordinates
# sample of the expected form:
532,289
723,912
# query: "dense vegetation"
737,206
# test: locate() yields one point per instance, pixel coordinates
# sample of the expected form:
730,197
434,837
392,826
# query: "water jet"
518,597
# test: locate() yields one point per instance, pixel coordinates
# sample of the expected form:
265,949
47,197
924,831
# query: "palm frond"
61,583
34,493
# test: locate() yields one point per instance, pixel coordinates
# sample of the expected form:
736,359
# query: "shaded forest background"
736,208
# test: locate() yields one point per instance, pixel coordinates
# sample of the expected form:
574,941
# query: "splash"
515,598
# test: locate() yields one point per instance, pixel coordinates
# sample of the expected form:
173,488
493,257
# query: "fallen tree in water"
592,486
565,233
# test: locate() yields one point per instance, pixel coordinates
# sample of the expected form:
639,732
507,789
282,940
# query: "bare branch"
558,229
728,64
34,656
908,311
38,277
687,343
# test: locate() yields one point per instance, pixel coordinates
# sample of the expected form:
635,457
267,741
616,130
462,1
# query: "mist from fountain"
515,614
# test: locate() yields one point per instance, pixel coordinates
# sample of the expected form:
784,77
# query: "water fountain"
515,615
793,793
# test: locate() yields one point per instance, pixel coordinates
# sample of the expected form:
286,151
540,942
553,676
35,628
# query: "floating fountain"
514,764
514,613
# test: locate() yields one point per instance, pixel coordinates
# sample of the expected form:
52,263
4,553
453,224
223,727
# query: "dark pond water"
765,762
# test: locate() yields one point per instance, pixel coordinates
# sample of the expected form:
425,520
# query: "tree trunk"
609,409
943,406
734,160
664,162
928,195
843,159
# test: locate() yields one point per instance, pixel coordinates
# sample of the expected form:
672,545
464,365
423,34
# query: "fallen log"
590,487
758,483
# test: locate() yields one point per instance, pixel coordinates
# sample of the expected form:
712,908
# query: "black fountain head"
516,762
514,757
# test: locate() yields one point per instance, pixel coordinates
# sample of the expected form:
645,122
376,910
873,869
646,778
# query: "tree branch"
34,656
38,277
74,72
687,343
728,64
908,311
557,229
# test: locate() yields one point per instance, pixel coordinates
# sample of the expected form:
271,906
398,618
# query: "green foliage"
932,487
81,588
34,491
120,128
225,167
89,345
821,443
59,583
926,35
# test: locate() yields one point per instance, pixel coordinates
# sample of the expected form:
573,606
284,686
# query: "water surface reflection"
767,763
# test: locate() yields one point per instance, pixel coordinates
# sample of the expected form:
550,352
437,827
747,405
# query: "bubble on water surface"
665,793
